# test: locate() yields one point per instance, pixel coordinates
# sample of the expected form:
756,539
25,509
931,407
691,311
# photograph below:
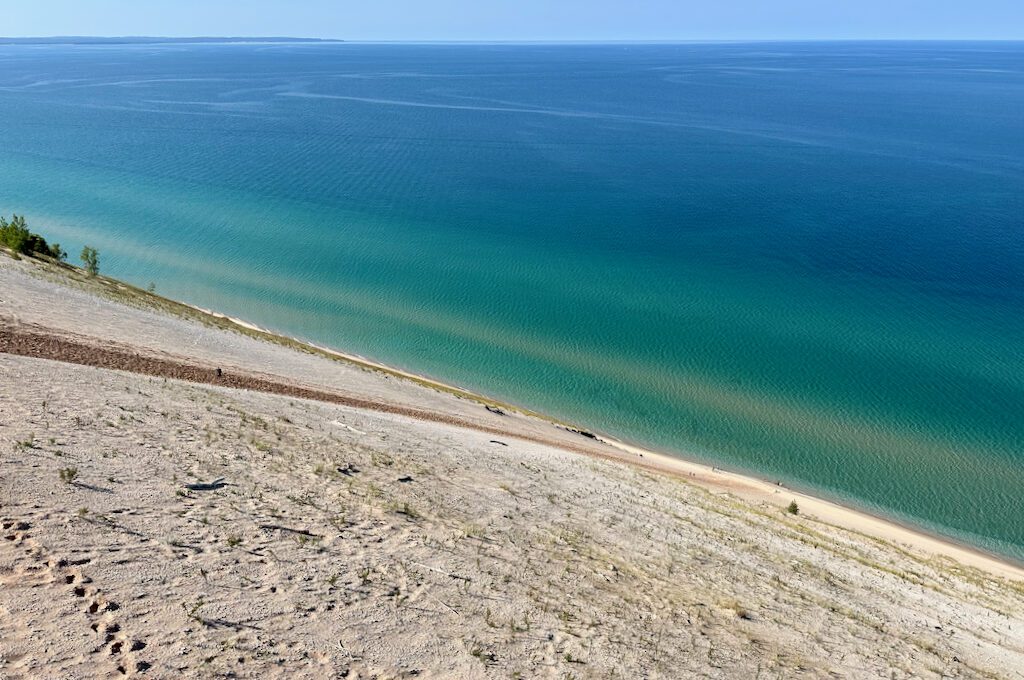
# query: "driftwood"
278,527
211,486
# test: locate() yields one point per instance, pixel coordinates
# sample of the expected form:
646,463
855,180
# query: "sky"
486,20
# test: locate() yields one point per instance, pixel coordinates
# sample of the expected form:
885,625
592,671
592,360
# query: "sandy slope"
351,540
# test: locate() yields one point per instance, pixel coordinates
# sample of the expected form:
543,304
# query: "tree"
91,261
15,235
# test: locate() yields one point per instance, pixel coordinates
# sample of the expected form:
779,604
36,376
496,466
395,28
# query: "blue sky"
521,19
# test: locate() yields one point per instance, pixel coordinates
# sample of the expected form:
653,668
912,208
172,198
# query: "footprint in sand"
45,570
36,570
16,532
116,643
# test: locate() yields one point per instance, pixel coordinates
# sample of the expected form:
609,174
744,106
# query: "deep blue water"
800,260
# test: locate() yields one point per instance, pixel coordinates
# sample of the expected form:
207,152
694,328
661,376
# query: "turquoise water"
799,260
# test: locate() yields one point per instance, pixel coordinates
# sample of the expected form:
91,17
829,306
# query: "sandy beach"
184,496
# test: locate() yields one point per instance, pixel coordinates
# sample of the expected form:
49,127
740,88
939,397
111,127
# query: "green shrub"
90,261
15,234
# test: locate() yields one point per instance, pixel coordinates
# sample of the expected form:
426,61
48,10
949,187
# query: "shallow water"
800,260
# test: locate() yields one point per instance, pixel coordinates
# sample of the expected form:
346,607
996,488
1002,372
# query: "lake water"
804,261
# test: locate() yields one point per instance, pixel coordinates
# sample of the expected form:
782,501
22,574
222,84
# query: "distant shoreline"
153,40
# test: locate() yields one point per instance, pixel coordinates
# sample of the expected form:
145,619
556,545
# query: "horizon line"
57,39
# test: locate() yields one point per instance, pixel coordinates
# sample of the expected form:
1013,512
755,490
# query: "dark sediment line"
41,343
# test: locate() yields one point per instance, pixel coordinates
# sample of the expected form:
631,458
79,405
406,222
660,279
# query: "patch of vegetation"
262,447
405,509
474,531
515,628
90,261
380,459
793,508
68,474
486,657
489,620
193,612
303,539
16,236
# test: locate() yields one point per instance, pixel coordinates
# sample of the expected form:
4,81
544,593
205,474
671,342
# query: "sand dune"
193,528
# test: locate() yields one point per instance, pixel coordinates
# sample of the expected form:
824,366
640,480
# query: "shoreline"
746,486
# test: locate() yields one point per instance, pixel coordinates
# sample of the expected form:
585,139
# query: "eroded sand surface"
373,544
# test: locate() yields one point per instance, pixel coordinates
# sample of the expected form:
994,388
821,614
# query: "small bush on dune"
90,261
